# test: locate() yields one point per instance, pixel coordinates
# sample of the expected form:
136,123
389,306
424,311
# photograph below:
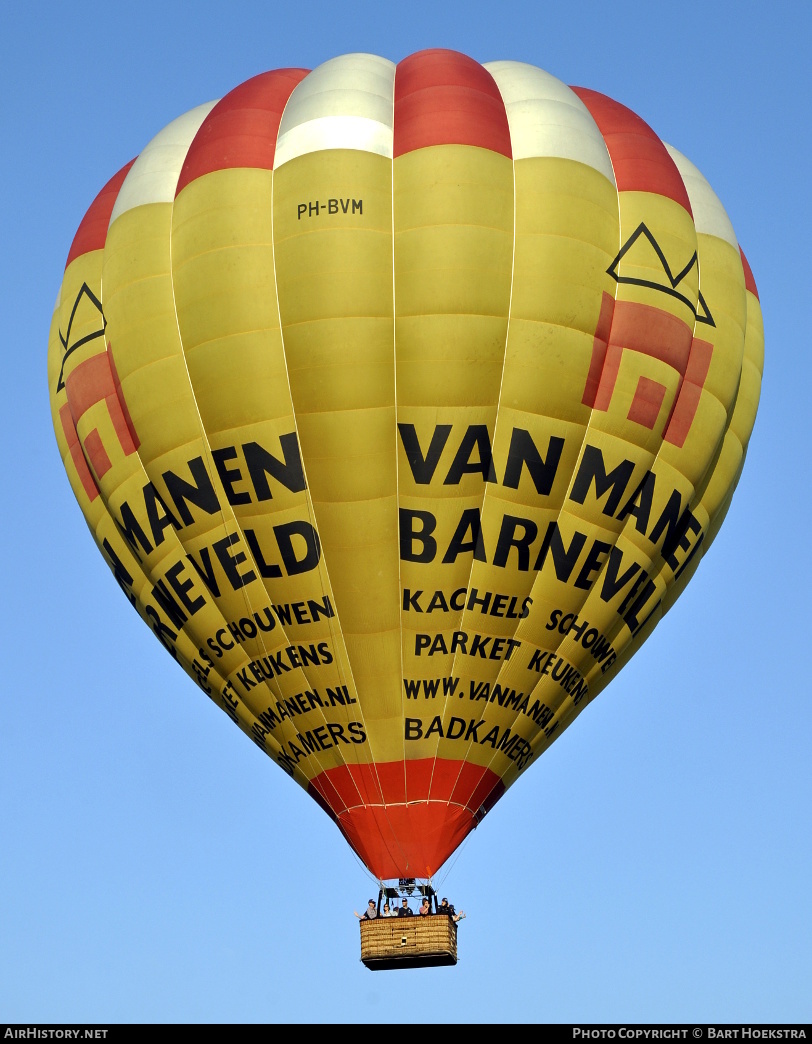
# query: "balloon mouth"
405,819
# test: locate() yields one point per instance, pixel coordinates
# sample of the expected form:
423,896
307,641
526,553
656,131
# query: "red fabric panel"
348,786
78,458
749,282
687,399
94,447
648,398
599,345
406,840
92,232
640,160
683,415
93,381
645,329
404,819
699,362
611,367
396,782
90,382
134,441
241,129
446,98
650,330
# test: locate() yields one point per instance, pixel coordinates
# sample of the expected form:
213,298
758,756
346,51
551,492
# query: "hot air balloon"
403,400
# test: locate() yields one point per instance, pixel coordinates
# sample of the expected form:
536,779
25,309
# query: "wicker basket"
409,942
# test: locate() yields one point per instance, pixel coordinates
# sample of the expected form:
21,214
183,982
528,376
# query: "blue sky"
655,864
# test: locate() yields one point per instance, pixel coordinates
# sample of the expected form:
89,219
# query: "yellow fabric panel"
694,457
546,367
754,334
453,205
744,414
349,453
208,286
479,258
345,275
334,271
159,399
560,279
566,199
375,660
225,290
725,469
332,265
352,368
227,210
567,233
722,284
449,359
466,183
453,228
143,330
363,571
240,380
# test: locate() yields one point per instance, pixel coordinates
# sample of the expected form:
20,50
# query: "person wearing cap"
404,910
447,908
369,914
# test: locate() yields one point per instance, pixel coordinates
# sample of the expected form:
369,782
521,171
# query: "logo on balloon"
633,326
93,381
700,310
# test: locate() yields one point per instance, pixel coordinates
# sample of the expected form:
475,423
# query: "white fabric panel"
153,177
346,103
546,118
710,216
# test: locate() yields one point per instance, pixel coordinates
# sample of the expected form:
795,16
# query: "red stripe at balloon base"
405,819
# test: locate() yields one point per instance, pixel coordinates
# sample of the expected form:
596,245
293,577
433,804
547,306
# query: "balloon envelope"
403,400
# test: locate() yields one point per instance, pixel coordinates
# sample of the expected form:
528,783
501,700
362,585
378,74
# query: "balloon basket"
408,942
